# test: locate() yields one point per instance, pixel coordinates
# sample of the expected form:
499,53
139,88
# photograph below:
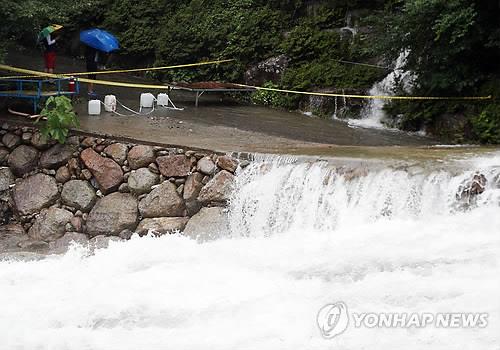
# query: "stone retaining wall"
88,188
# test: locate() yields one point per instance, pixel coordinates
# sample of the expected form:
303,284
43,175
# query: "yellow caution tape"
76,74
165,87
97,82
381,97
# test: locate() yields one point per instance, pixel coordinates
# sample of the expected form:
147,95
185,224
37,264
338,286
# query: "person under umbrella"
99,44
48,41
94,60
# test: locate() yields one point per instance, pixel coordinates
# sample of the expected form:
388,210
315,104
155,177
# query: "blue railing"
34,89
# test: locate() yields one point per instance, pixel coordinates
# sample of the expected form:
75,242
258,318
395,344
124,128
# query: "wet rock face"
162,201
471,189
141,181
10,236
39,141
23,160
50,224
108,173
63,174
117,151
56,156
218,190
193,186
34,245
101,241
209,223
112,214
140,156
4,154
35,193
227,163
174,166
78,194
162,226
206,166
271,69
61,245
11,140
6,179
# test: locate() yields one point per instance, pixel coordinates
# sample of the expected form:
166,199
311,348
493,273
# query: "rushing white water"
373,114
303,235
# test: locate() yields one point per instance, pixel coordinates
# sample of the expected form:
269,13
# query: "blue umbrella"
99,39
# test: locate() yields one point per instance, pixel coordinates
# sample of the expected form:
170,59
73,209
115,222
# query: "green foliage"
60,118
328,73
22,20
137,25
243,29
310,43
486,125
274,98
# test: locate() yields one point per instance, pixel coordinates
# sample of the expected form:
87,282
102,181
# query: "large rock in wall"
107,172
140,156
174,166
217,190
162,226
50,224
56,156
113,214
142,180
78,194
117,151
35,193
162,201
209,223
23,160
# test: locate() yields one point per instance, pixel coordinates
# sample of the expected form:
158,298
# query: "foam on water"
302,235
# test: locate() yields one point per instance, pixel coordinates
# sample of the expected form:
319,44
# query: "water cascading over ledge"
276,196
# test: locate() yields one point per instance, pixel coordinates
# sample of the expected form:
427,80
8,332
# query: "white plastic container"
110,103
94,107
162,100
147,100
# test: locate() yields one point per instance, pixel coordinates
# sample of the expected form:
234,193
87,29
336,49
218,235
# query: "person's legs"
50,62
91,67
46,62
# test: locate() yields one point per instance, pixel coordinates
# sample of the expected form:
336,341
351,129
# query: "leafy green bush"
486,125
309,43
274,98
328,73
60,118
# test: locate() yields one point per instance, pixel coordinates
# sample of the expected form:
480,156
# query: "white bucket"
110,103
162,100
147,100
94,107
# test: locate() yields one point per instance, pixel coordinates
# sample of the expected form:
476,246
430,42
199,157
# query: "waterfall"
273,197
379,238
373,115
